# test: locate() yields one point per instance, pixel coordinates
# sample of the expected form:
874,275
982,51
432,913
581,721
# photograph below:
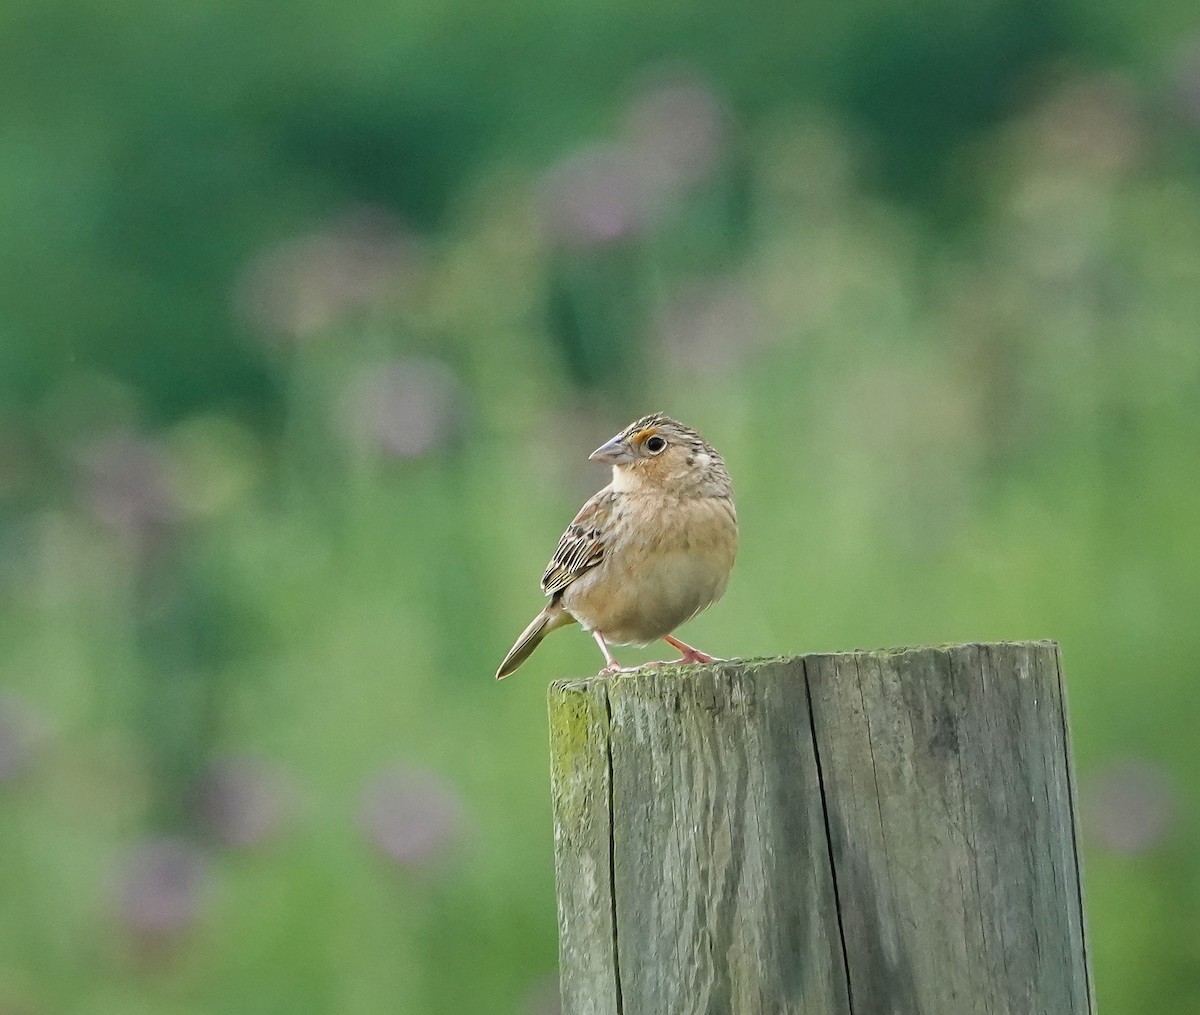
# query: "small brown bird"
646,553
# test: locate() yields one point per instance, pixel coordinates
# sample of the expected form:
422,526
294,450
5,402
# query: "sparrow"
648,552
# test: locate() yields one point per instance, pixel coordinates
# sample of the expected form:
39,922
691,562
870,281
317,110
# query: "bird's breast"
667,561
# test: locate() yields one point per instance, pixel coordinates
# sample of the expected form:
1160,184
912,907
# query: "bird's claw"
684,660
618,668
697,657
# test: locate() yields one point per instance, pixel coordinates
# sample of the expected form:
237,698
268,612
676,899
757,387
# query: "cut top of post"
858,832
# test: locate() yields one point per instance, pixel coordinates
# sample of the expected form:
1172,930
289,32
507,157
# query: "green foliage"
303,350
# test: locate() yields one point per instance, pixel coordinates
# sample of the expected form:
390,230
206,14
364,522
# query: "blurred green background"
309,316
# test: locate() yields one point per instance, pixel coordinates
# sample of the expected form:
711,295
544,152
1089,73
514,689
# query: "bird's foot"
695,656
683,660
618,668
689,654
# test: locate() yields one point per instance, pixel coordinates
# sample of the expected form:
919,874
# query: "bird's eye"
655,444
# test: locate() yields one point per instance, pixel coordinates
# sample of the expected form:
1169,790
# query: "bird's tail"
550,619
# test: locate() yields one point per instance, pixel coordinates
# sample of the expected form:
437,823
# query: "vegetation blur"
309,318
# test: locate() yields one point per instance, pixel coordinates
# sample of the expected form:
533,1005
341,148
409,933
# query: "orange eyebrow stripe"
646,434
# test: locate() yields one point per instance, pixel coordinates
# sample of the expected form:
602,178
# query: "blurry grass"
929,444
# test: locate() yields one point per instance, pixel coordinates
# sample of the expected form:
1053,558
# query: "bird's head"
659,454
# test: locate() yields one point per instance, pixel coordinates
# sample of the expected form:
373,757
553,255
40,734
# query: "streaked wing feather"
582,545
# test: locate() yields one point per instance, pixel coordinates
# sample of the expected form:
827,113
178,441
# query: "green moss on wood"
573,717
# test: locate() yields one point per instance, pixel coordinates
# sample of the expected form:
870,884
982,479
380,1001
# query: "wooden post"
867,833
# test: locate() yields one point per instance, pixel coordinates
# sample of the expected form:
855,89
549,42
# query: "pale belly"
647,591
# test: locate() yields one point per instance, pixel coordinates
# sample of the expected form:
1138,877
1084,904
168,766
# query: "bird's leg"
690,655
613,666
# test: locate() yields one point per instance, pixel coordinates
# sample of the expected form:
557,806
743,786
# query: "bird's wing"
582,545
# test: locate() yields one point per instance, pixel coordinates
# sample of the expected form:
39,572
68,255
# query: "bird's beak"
615,452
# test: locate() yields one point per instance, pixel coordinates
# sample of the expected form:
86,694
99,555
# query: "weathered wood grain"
947,785
584,847
722,897
867,833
